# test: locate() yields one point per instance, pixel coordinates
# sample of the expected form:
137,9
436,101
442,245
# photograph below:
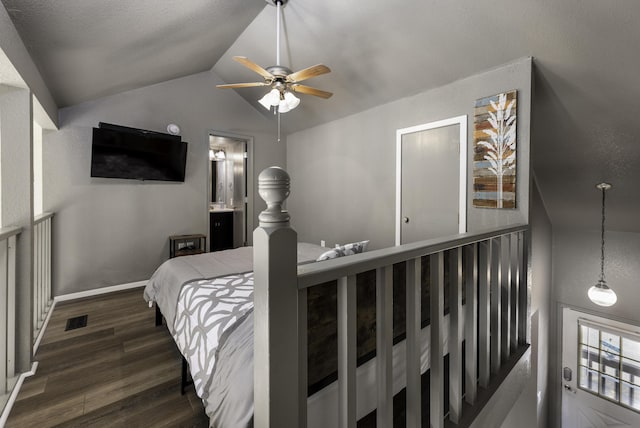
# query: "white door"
431,180
601,372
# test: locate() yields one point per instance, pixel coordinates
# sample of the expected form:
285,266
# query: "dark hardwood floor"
120,370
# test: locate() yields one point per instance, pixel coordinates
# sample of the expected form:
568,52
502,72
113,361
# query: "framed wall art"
494,151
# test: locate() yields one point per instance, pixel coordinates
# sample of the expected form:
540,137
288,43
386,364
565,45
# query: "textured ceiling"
86,49
585,126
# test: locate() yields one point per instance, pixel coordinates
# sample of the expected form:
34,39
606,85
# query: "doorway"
431,180
229,199
600,372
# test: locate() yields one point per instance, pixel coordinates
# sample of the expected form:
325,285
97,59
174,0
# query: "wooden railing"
488,268
8,242
41,271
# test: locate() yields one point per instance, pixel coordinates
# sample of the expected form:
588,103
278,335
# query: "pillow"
354,247
344,250
331,254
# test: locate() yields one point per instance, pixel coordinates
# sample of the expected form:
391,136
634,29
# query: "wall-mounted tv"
123,152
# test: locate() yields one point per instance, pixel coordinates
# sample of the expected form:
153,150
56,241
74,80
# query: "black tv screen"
120,152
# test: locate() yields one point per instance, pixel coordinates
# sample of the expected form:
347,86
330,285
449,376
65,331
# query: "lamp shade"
283,107
602,295
288,102
270,99
292,100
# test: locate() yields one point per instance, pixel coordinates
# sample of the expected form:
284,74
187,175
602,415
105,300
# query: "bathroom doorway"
228,190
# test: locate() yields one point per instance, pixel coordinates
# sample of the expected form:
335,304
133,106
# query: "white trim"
462,208
618,331
98,291
36,344
249,190
14,393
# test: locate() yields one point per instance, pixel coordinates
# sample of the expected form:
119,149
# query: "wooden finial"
273,187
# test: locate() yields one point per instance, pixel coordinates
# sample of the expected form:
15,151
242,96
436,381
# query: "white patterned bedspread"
213,328
206,311
204,301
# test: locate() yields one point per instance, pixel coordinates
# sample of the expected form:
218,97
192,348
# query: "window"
609,364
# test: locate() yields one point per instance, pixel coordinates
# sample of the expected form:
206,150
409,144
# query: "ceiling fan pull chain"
278,126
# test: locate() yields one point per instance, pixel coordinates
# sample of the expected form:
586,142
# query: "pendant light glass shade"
601,294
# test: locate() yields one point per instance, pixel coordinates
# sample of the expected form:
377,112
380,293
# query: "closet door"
432,201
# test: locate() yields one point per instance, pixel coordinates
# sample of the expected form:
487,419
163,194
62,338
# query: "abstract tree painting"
494,157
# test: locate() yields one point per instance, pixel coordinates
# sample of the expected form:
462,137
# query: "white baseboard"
98,291
14,393
79,295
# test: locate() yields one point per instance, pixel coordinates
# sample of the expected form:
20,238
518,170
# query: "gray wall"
343,172
16,181
113,231
576,267
531,409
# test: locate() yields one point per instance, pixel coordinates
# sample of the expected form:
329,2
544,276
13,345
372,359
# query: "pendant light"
601,294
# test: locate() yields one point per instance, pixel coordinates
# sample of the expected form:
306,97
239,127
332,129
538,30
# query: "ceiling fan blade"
253,66
242,85
308,73
303,89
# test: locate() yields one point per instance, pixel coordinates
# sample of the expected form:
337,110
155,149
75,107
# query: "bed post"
275,307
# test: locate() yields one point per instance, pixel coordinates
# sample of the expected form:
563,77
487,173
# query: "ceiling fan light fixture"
270,99
283,107
291,100
288,102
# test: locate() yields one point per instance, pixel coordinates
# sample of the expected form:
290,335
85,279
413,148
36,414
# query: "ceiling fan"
282,80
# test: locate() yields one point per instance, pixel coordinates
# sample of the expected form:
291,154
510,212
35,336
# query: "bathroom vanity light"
217,155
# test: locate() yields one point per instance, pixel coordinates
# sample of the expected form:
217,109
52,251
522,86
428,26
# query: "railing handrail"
8,232
42,217
317,273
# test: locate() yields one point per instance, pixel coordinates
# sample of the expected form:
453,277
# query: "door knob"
405,219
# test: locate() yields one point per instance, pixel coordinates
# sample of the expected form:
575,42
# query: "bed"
207,302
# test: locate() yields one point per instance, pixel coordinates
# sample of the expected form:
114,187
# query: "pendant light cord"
602,239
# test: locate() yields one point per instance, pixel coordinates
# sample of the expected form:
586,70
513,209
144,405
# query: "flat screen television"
130,153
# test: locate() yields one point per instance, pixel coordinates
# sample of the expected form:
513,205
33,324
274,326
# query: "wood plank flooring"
119,370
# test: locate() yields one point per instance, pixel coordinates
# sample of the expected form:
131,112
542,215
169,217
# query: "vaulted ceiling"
585,126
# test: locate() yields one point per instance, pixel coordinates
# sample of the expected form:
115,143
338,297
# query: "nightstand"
185,245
